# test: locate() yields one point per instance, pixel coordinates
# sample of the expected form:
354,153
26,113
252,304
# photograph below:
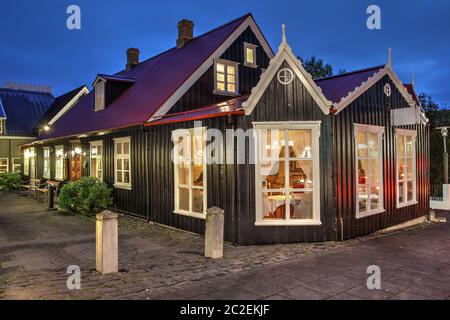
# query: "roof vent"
132,58
185,32
28,87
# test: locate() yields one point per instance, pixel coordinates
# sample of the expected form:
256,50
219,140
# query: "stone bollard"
107,242
214,233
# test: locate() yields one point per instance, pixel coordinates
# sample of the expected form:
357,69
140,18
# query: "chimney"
132,58
185,32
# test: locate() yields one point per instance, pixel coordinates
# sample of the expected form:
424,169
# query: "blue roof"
23,109
2,111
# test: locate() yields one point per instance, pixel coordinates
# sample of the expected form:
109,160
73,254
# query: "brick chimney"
132,58
185,32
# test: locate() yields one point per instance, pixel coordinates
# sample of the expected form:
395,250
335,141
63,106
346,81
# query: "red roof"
229,107
337,87
155,81
411,91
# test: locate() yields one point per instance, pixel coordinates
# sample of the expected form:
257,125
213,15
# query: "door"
75,167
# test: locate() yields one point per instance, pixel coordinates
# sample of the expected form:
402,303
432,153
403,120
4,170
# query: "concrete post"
214,233
107,242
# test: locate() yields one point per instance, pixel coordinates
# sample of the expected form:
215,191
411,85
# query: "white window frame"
314,126
26,162
189,186
16,167
122,185
403,133
226,63
33,173
59,163
99,143
380,131
251,47
46,173
99,95
2,167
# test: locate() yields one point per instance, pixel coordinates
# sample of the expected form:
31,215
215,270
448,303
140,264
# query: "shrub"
87,196
10,181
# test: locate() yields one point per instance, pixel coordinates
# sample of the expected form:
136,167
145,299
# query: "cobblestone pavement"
37,246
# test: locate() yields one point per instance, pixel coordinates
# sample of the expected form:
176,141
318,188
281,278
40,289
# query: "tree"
318,69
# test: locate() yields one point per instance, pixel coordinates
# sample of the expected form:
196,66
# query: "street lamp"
444,132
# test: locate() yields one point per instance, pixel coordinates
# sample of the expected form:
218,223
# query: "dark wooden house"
220,120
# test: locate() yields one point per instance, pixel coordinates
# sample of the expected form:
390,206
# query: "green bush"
10,181
87,196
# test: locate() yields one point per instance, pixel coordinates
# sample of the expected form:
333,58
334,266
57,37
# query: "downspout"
231,120
147,186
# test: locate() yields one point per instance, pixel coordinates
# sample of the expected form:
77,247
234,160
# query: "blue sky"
36,47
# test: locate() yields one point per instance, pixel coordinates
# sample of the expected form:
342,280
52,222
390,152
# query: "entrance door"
75,167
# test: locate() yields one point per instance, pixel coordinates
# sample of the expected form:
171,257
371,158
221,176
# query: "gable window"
4,167
226,77
369,170
46,172
16,165
96,160
250,55
59,162
287,173
99,96
406,167
26,162
190,172
122,162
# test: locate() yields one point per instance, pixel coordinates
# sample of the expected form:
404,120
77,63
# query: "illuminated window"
369,170
287,173
190,172
97,160
33,163
16,165
99,89
46,172
59,162
250,55
26,162
122,162
4,165
226,77
406,167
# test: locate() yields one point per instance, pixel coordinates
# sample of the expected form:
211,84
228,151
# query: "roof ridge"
248,14
26,91
350,72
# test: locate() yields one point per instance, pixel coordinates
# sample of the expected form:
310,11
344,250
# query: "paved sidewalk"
37,246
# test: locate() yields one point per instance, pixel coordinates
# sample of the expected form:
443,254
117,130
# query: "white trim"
189,186
285,54
413,134
59,159
2,126
46,170
226,63
380,132
69,105
97,143
249,22
122,185
16,138
353,95
252,47
314,126
7,165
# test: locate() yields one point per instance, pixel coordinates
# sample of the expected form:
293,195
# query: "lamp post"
444,132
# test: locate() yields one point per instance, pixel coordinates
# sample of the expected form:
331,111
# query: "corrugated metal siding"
373,108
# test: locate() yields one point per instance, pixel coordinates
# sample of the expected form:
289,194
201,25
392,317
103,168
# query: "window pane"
362,171
220,68
273,205
231,70
197,174
374,197
197,201
373,144
126,148
119,148
272,145
183,174
409,146
300,144
231,78
301,205
410,190
119,176
93,166
119,164
126,164
375,171
362,199
231,87
410,169
221,77
221,86
126,177
300,174
272,175
250,56
362,144
401,169
400,145
401,192
99,150
183,199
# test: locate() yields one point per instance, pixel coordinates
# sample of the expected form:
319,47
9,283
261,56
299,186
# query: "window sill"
370,213
191,214
225,93
122,186
302,223
254,66
406,204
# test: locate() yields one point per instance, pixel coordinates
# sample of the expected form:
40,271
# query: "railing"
436,192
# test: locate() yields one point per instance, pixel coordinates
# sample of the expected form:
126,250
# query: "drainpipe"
147,186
